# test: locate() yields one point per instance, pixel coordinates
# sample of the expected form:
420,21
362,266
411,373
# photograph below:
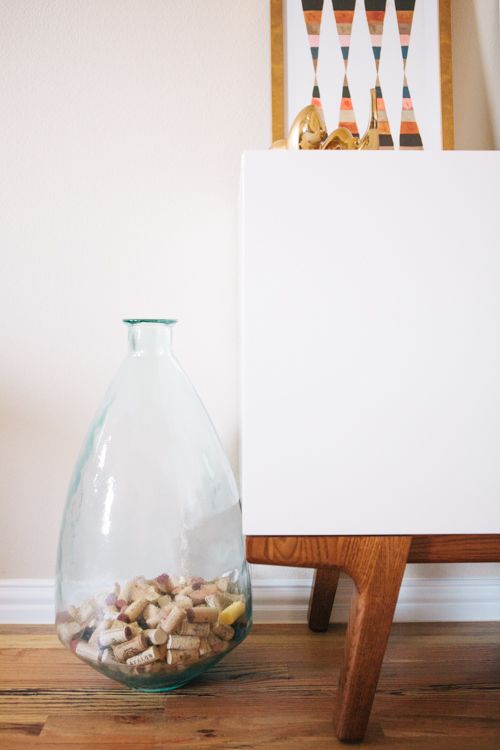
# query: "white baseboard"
420,600
31,600
27,600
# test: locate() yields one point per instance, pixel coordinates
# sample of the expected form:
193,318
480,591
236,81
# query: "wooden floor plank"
439,690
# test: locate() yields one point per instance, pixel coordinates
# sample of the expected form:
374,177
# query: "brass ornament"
308,132
341,139
371,139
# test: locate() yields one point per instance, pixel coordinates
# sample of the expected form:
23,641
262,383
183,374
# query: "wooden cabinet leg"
376,565
322,598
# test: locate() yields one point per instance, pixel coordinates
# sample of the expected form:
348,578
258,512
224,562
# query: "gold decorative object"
308,132
371,140
341,139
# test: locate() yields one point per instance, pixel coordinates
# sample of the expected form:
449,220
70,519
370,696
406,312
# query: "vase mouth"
163,321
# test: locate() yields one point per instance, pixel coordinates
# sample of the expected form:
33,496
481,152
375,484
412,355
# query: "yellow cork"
231,613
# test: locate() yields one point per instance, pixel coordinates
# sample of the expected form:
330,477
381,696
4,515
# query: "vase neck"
149,338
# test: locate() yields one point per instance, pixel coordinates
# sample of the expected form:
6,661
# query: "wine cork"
217,601
68,630
217,644
149,655
226,632
107,657
110,600
137,590
142,590
136,628
87,633
87,611
123,651
164,583
63,616
86,651
180,657
124,592
232,613
166,609
178,582
151,594
199,596
135,609
74,612
183,642
151,625
109,613
173,620
202,614
164,600
94,638
205,647
149,668
156,636
201,629
197,582
115,635
183,601
152,615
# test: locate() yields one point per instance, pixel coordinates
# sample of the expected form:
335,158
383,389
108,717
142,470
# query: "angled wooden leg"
377,566
322,598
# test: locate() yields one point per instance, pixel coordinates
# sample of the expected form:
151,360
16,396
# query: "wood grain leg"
376,565
322,598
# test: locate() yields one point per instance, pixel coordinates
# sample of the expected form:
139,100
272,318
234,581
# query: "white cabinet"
370,326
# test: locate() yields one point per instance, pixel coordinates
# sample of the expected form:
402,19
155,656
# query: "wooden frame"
278,72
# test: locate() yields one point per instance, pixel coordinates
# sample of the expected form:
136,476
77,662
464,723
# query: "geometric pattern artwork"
313,10
344,16
409,134
375,15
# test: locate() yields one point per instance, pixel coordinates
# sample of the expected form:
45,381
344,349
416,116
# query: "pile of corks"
150,625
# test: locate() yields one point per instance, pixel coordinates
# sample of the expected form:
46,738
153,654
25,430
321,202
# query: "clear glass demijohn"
152,583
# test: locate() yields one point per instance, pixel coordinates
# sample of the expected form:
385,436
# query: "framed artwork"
332,52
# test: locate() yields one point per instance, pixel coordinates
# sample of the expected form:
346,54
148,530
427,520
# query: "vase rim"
163,321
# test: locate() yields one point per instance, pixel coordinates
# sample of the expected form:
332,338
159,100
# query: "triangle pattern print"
375,16
347,118
313,10
344,16
409,134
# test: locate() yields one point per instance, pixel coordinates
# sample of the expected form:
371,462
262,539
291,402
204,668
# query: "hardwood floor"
439,690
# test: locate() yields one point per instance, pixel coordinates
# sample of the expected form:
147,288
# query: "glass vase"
152,586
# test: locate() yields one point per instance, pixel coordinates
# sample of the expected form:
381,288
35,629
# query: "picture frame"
435,118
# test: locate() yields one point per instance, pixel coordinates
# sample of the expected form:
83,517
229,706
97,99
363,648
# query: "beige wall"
122,126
